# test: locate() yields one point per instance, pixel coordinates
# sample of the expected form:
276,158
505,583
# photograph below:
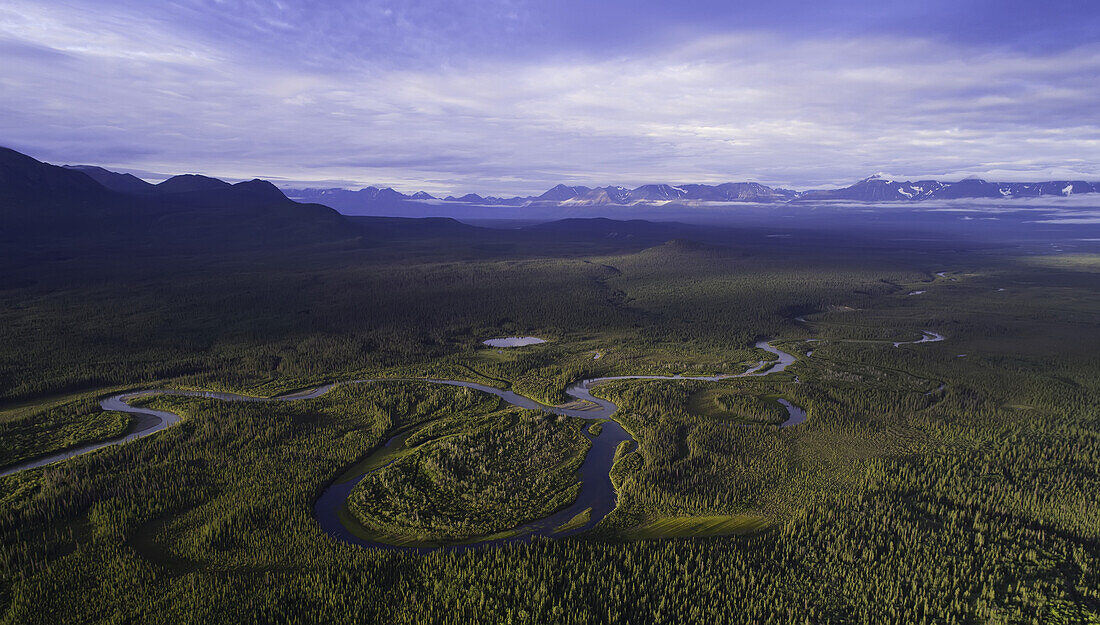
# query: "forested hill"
46,208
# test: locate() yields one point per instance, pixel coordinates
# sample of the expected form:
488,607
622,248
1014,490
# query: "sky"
508,97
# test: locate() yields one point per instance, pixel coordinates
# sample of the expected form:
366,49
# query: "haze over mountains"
873,189
876,188
48,211
25,178
879,189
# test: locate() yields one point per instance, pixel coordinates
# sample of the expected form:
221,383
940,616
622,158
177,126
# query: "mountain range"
40,201
879,189
873,189
78,214
50,212
47,209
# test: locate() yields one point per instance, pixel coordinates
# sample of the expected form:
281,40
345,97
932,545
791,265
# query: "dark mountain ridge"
186,183
124,183
44,207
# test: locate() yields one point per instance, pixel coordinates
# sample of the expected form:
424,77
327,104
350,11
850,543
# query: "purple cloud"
510,97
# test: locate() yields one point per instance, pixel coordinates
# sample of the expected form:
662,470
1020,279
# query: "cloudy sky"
510,96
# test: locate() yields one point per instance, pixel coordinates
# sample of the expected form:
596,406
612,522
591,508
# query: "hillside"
45,207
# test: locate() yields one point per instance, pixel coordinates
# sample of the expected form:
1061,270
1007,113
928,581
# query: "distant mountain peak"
562,192
258,189
469,197
184,183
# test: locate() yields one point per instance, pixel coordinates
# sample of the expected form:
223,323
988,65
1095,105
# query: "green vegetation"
697,527
480,480
32,431
728,404
1072,262
582,518
923,487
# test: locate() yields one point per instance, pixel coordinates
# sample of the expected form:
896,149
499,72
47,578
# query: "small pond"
514,341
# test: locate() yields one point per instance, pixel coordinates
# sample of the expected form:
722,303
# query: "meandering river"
597,491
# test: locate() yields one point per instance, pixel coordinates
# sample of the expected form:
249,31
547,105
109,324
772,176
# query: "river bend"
597,491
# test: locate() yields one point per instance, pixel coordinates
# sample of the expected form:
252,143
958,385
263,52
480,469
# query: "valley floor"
946,481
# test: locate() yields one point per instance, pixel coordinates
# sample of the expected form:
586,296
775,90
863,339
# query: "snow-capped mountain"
876,188
652,193
600,196
562,193
726,192
1053,187
739,192
658,192
879,189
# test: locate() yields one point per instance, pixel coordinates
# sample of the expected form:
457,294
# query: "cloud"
131,89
